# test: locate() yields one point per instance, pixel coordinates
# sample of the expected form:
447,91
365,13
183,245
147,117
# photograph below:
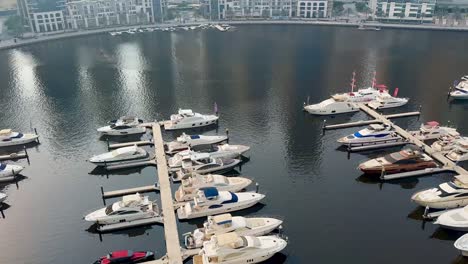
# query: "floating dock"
124,225
129,144
118,193
17,155
150,162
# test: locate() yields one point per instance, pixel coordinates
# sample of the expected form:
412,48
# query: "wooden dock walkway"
118,193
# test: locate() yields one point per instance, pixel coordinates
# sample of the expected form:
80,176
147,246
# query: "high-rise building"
8,7
406,11
41,16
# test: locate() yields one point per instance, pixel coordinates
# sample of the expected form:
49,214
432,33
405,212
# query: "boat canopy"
229,239
185,112
377,127
5,132
2,166
222,219
129,199
195,137
210,192
432,123
463,179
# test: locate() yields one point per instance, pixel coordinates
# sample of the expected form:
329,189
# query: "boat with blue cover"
11,138
210,201
375,133
8,172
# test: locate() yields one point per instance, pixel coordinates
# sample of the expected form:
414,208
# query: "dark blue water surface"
259,76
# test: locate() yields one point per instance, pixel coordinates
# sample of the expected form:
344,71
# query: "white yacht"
8,172
126,125
447,142
462,245
120,156
192,183
456,219
2,197
185,141
226,223
204,166
225,151
131,208
461,89
447,195
375,133
459,152
432,130
385,100
10,138
186,118
231,248
210,201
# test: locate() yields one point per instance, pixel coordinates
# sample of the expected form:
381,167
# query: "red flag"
395,93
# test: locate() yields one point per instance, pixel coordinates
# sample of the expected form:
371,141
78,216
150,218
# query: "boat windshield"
109,210
394,157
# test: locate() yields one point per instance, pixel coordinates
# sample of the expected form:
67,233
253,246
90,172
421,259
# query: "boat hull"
168,125
19,141
119,162
239,206
397,169
123,132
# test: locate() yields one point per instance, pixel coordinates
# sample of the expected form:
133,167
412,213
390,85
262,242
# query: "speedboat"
204,166
210,201
9,171
130,209
126,257
462,245
192,183
460,152
231,248
456,219
126,125
185,141
432,130
120,156
225,151
461,89
10,138
447,142
226,223
402,161
2,197
447,195
186,118
385,100
374,133
365,27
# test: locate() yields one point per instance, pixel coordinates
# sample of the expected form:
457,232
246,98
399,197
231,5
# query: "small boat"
126,125
225,151
462,245
231,248
432,130
459,152
2,197
126,257
193,182
120,156
112,33
402,161
385,100
10,138
8,172
447,195
186,118
374,133
460,90
331,107
226,223
365,27
210,201
130,210
456,219
185,141
204,166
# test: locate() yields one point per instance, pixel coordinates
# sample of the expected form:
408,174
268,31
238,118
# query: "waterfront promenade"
7,44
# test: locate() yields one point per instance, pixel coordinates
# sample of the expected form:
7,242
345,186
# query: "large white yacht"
205,165
8,172
374,133
231,248
225,223
451,194
120,156
385,100
193,182
225,151
126,125
459,152
130,209
210,201
462,245
10,138
185,141
432,130
461,89
186,118
456,219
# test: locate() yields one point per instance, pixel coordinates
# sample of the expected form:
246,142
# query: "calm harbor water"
259,77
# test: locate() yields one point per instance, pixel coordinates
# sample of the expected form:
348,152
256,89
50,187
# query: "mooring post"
426,210
227,135
27,155
323,126
35,132
257,187
108,145
382,174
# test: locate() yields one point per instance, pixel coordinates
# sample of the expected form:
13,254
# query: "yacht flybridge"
433,130
120,156
8,172
11,138
194,182
447,142
375,133
185,141
126,125
226,223
447,195
461,89
205,165
385,100
210,201
231,248
186,118
225,151
459,152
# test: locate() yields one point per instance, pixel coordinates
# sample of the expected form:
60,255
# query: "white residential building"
48,21
312,9
406,11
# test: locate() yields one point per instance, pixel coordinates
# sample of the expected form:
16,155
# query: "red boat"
126,257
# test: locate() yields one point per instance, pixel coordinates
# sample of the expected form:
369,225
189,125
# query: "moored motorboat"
432,130
447,142
368,27
459,152
120,156
460,90
385,100
447,195
210,201
225,151
402,161
125,125
8,172
126,257
204,166
225,223
456,219
186,118
193,182
11,138
231,248
462,245
184,142
374,133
